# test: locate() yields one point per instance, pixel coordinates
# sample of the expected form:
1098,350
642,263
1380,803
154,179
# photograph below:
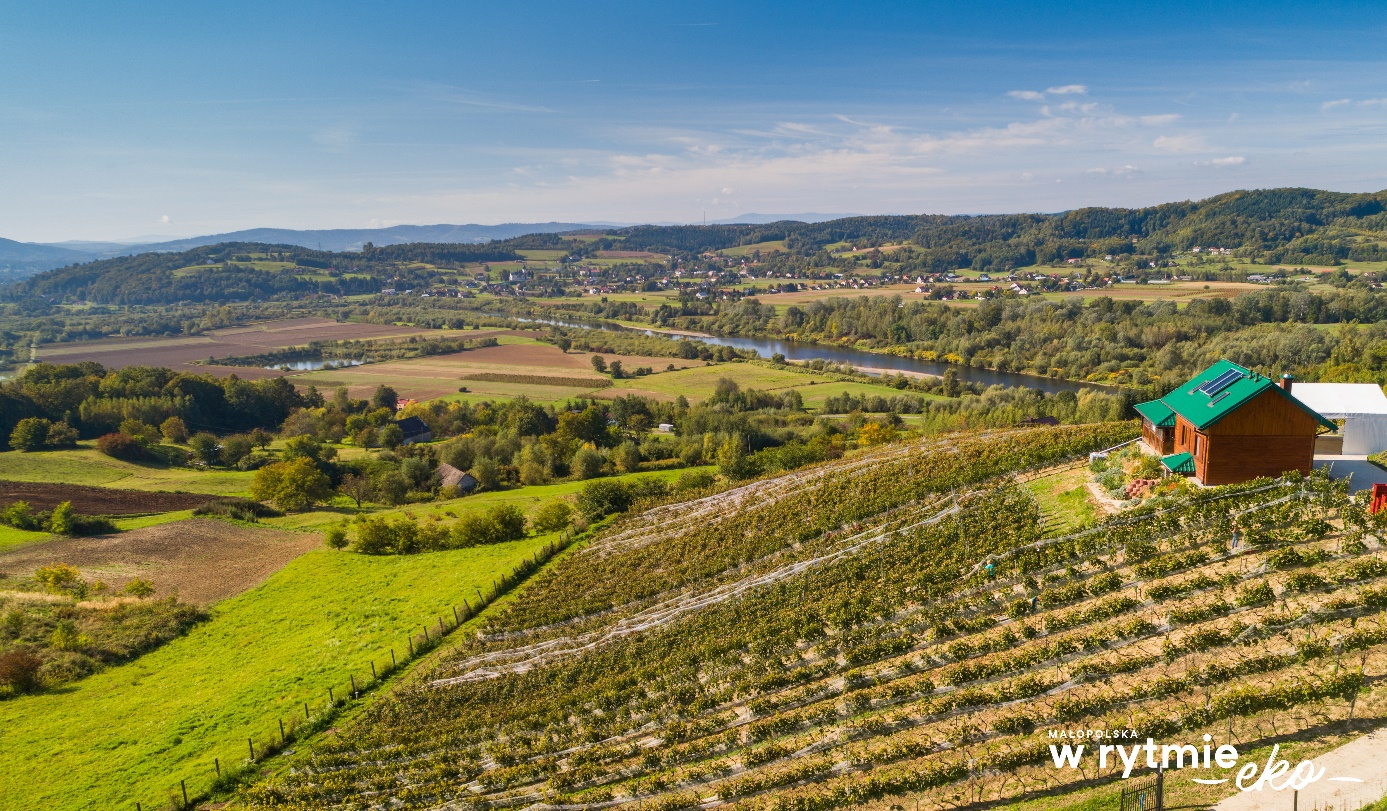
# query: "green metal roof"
1157,412
1178,463
1202,408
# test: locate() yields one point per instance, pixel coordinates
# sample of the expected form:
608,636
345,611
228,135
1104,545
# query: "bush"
1255,594
19,670
60,578
587,463
239,509
19,516
553,517
234,449
603,497
61,435
139,588
694,480
122,446
30,434
336,536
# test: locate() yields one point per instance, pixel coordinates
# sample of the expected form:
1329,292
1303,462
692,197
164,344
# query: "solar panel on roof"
1221,382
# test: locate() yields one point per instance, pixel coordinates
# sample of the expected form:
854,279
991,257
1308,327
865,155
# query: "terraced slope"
836,639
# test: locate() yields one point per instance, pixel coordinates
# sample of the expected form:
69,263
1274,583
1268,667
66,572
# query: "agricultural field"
899,626
87,466
190,353
131,732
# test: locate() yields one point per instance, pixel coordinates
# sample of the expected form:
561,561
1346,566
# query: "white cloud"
1159,120
1026,95
1231,160
1179,143
1068,90
166,220
1330,105
1371,102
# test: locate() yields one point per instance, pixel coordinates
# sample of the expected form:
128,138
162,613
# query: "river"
766,347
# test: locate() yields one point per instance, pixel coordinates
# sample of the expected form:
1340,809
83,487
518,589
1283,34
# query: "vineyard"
893,624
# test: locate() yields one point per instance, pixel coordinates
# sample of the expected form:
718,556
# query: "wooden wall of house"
1160,440
1266,436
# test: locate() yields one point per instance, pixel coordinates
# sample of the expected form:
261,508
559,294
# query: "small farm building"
414,429
1361,406
449,476
1229,424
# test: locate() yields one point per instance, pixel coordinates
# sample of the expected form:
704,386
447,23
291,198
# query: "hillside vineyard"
832,637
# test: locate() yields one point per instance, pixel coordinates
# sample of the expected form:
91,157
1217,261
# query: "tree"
509,522
391,436
586,463
603,497
61,435
564,345
206,448
30,434
174,430
121,446
487,473
599,363
261,438
235,448
357,488
615,368
293,485
627,457
385,397
60,578
732,461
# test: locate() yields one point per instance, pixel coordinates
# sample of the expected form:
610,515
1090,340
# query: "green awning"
1157,413
1178,463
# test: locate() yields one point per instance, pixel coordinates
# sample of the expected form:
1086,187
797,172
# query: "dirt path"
201,561
1364,759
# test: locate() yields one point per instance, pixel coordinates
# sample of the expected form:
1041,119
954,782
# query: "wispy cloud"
1068,90
1186,142
1026,95
1330,105
1231,160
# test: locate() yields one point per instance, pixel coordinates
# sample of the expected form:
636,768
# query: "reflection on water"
314,365
766,347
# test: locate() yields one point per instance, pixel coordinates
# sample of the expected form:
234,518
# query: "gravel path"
1364,759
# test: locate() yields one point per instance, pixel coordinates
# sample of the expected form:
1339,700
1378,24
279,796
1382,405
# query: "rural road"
1365,759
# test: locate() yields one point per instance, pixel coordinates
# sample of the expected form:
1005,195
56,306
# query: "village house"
1229,424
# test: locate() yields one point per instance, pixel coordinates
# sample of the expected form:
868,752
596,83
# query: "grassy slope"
131,732
87,466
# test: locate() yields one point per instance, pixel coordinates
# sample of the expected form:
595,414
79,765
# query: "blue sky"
179,119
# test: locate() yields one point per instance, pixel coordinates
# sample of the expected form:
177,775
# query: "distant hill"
19,260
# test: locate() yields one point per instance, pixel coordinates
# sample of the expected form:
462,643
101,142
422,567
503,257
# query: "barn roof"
1220,390
412,426
1178,463
450,476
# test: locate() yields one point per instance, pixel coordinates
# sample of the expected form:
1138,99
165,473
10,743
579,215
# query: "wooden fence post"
331,698
392,657
218,763
352,676
374,677
282,736
456,621
306,716
251,742
183,784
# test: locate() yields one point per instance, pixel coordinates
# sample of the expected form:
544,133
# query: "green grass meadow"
130,733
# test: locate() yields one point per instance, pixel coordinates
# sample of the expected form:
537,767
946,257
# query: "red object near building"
1379,497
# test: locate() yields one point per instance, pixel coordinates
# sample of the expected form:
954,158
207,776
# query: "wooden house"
1229,424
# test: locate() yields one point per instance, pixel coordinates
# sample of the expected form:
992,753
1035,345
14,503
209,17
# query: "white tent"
1362,407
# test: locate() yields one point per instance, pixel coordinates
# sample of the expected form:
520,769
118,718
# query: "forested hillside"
1297,226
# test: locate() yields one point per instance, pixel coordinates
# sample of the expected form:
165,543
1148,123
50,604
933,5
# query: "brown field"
98,500
441,375
182,353
201,561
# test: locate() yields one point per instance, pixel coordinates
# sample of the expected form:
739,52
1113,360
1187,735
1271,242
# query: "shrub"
139,588
30,434
239,509
554,516
587,463
60,578
19,516
122,446
66,637
234,449
627,457
61,435
1304,581
60,521
603,497
335,536
19,670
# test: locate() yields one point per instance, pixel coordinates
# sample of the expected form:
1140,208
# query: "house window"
1198,444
